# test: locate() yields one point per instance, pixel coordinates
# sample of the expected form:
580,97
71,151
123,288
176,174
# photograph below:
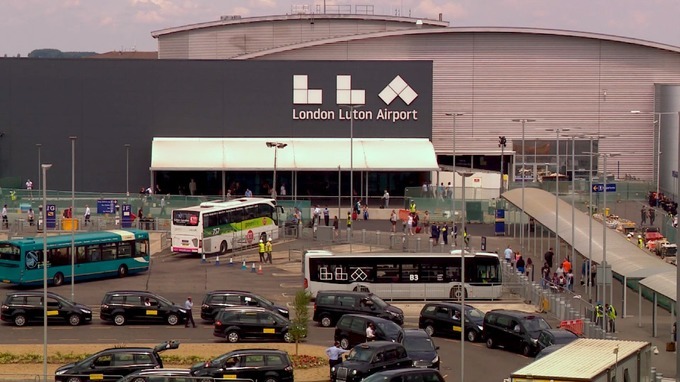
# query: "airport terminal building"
381,95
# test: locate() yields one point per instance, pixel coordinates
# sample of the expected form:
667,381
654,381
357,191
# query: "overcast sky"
106,25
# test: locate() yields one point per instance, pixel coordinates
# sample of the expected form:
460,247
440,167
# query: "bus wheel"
58,279
361,288
223,247
457,292
122,271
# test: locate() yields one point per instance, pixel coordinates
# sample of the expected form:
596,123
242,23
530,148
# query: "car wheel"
429,329
173,319
526,350
119,319
73,379
288,337
223,247
122,271
74,320
270,379
326,321
344,343
471,335
233,337
490,343
58,279
19,320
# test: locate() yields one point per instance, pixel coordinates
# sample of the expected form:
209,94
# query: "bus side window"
94,253
124,250
109,251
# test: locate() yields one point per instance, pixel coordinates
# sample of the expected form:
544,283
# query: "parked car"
113,363
22,308
329,306
351,330
159,375
513,329
443,319
420,348
257,365
548,350
218,299
368,358
239,323
401,375
125,306
549,337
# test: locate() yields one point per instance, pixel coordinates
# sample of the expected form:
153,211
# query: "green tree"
300,323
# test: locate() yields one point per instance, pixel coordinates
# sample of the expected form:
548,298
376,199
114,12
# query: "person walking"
466,238
509,254
385,199
599,314
336,226
455,234
87,214
326,216
268,251
426,222
261,250
520,264
652,216
643,216
349,220
31,217
529,269
549,257
610,311
445,233
5,220
409,224
393,220
545,275
434,234
334,354
188,305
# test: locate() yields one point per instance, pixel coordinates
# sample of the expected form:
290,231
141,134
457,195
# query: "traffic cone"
252,269
244,266
259,270
231,261
203,258
217,260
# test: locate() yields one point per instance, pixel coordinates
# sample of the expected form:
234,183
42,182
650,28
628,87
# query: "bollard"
217,260
231,261
252,269
349,234
244,266
659,377
203,258
563,309
653,373
363,236
587,327
418,245
391,241
377,237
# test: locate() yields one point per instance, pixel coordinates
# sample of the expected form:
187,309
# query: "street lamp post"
73,204
127,169
44,168
39,146
463,175
557,189
502,141
524,121
453,114
276,146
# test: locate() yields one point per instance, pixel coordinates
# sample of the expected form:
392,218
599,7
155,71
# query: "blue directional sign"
611,187
106,206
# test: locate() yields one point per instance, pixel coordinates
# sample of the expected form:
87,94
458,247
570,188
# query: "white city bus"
405,275
218,226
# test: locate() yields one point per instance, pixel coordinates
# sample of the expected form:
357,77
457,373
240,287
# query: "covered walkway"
627,261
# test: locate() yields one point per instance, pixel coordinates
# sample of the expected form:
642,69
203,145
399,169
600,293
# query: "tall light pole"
502,141
73,204
44,168
39,146
276,146
590,213
127,169
524,121
677,273
464,174
557,190
352,107
573,191
453,114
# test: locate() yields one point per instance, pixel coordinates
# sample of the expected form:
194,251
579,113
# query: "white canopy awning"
300,154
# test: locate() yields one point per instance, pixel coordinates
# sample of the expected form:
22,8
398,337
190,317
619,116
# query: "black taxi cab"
237,323
21,308
257,365
125,306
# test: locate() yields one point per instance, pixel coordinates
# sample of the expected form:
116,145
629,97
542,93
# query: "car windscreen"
535,324
389,328
185,218
475,314
418,343
379,302
360,354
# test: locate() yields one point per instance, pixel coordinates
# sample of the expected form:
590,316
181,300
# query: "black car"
239,323
401,375
420,348
159,375
257,365
218,299
443,319
351,330
21,308
329,306
549,337
125,306
368,358
513,329
114,363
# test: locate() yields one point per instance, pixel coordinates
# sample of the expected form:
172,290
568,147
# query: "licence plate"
152,313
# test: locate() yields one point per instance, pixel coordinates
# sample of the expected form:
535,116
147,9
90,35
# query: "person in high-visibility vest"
412,207
268,250
466,237
261,250
641,242
611,315
349,219
599,314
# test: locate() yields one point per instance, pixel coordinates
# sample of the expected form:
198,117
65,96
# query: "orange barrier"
574,326
403,215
